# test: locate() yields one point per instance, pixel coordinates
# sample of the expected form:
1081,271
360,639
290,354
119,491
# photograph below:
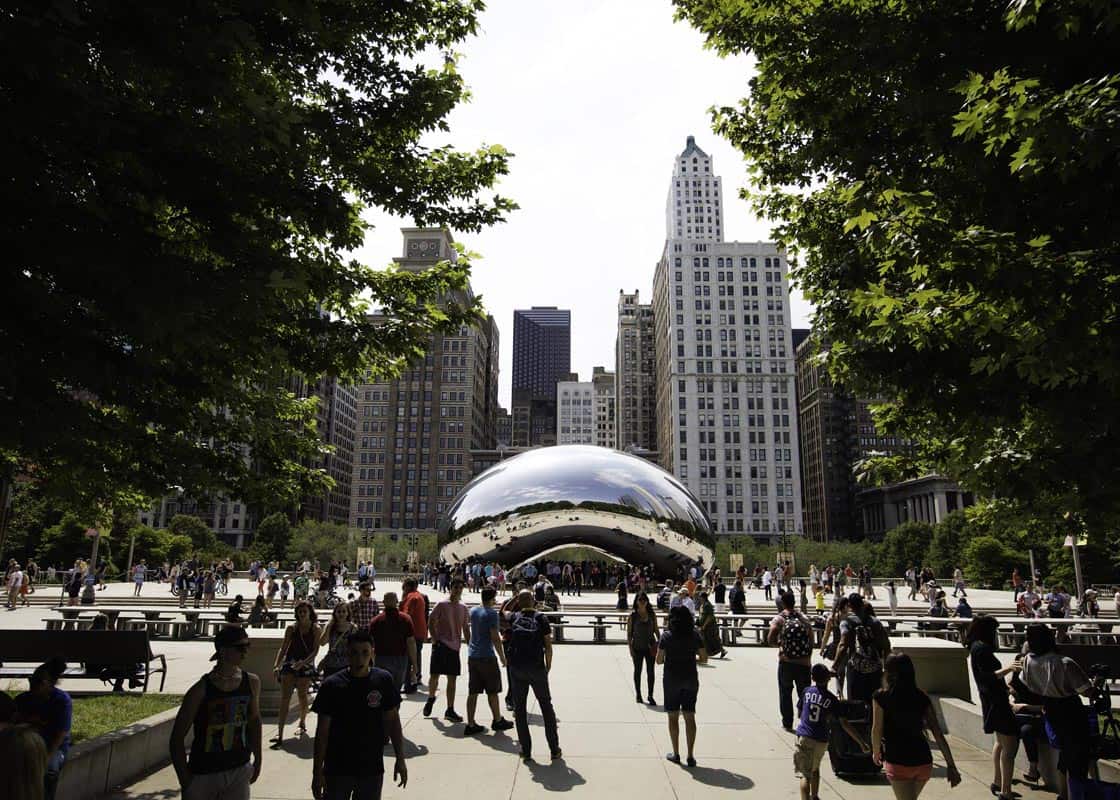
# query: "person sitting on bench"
119,673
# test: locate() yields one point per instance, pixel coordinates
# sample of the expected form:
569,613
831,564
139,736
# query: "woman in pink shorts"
901,713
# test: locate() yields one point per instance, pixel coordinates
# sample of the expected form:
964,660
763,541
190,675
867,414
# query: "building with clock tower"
415,433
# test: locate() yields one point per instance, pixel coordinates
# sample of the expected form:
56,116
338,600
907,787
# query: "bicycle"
221,586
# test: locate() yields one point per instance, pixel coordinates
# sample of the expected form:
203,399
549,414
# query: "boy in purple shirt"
813,729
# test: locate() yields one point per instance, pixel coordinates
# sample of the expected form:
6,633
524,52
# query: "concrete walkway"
613,747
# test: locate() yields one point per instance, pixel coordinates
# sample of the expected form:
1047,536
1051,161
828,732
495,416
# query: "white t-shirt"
767,577
1053,675
15,580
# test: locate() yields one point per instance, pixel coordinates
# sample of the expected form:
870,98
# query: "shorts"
680,696
445,661
230,784
807,756
485,677
904,772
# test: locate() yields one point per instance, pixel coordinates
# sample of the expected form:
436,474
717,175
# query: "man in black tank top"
223,708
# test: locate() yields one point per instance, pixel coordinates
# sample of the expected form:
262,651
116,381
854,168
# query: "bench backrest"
100,647
1087,655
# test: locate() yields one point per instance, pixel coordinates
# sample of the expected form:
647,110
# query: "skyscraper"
542,357
837,431
725,409
412,452
603,382
635,398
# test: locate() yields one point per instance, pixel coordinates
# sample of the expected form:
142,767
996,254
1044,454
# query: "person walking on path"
223,709
996,711
863,646
138,573
357,710
642,634
415,606
958,583
767,580
679,650
295,667
449,627
792,632
817,706
529,654
901,714
48,710
394,645
483,655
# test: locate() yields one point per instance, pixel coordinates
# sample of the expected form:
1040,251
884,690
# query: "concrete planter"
94,767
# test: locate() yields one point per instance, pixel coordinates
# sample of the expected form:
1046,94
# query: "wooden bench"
24,650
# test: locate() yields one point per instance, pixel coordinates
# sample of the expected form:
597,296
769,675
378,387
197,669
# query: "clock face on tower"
423,248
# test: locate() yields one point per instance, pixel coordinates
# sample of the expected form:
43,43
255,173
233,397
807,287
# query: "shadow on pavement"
556,776
495,740
722,778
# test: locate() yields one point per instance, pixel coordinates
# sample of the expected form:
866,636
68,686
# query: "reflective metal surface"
555,497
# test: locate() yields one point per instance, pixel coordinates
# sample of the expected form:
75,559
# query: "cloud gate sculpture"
577,495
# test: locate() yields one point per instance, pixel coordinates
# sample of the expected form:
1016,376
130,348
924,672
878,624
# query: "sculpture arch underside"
577,496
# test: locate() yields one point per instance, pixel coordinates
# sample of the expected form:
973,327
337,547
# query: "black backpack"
526,641
869,651
794,639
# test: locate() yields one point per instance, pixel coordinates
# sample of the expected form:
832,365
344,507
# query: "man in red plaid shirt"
365,608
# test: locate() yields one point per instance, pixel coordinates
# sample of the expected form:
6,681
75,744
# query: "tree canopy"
183,187
946,174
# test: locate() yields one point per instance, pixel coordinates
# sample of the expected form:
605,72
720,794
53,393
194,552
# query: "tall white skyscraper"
726,393
694,207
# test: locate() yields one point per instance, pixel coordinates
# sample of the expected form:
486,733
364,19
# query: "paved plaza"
613,747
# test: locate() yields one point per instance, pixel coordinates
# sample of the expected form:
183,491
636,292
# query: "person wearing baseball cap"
223,708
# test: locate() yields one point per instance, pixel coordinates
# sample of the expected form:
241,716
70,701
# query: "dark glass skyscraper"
542,356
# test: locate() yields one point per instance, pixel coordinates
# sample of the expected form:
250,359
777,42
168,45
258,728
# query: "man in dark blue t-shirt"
48,710
356,708
818,704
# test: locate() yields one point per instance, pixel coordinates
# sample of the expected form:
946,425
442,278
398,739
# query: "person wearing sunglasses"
223,708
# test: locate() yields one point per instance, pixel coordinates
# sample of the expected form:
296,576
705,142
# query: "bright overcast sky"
594,98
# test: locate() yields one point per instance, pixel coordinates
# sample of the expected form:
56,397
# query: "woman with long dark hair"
901,713
295,666
679,650
642,634
999,718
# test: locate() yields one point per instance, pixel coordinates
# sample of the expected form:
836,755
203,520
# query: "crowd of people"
352,669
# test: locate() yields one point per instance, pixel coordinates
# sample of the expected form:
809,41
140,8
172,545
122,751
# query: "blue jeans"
536,678
50,778
353,787
791,677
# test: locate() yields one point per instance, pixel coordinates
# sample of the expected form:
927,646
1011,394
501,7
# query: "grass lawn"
94,716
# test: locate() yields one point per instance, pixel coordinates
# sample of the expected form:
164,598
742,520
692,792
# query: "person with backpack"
529,655
792,632
863,646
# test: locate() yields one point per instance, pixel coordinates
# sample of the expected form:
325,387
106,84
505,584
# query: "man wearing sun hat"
223,708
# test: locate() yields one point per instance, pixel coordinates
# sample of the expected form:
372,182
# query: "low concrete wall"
265,642
96,766
941,666
963,720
